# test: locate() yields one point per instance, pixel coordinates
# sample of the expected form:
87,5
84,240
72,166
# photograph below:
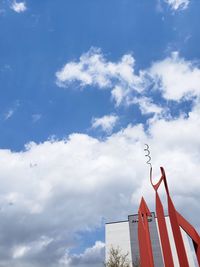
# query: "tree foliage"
117,258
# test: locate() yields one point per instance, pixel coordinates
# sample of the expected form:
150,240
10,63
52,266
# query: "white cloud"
91,256
18,7
78,181
176,77
178,4
54,190
36,117
118,94
20,251
94,70
147,106
106,123
8,114
11,111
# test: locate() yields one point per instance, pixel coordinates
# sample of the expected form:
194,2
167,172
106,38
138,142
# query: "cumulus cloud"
54,190
147,106
18,6
176,77
93,69
42,197
178,4
92,256
106,123
80,181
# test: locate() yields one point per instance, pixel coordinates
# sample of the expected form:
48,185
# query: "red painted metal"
190,230
166,249
146,253
177,222
182,256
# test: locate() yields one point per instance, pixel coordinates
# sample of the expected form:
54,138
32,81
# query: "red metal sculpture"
177,222
167,253
146,253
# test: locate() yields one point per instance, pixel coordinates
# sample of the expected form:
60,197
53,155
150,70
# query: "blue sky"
84,84
39,41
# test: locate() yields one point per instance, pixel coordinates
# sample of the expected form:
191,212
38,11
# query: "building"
156,240
124,235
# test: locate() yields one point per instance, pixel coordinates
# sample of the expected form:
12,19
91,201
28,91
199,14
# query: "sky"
84,85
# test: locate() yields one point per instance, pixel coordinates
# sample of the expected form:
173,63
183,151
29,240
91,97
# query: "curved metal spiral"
148,155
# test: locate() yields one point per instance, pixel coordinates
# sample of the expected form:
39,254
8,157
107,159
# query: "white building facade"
124,235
